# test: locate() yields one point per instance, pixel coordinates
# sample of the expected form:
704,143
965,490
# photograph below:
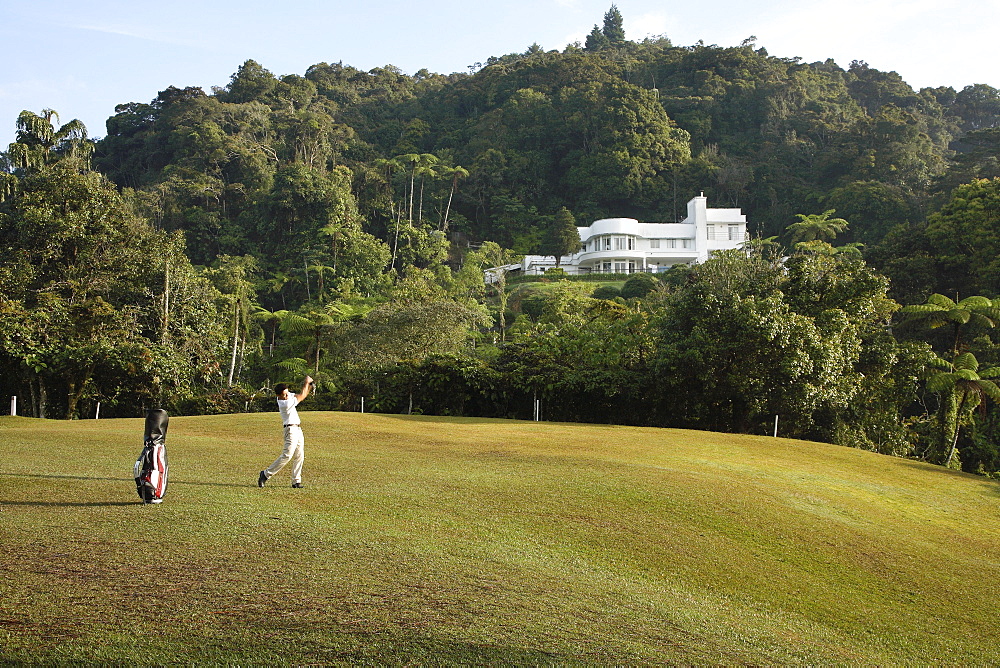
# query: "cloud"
146,34
910,37
646,25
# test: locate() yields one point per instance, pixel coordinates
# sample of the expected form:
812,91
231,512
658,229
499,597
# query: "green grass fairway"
461,541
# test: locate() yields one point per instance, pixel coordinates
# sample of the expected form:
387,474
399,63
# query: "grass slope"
442,541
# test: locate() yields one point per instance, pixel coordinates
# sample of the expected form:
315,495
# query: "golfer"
294,450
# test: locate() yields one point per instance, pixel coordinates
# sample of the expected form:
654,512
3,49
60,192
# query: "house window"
734,232
607,243
654,243
607,267
671,243
710,229
685,243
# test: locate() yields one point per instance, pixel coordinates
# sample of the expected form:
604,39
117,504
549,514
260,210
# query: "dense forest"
338,223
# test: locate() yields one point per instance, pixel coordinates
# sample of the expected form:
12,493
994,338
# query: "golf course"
443,541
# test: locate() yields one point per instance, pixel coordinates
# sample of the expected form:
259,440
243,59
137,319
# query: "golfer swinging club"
294,443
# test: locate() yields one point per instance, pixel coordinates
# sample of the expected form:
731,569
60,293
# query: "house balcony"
658,256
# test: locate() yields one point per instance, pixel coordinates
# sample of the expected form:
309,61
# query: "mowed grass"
460,541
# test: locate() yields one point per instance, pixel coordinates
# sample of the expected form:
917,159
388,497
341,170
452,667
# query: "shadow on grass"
70,504
173,481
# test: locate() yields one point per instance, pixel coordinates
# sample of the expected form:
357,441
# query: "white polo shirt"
287,409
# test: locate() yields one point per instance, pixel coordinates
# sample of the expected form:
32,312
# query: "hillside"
447,541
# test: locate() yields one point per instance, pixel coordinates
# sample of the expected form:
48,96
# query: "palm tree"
321,271
390,166
313,324
940,311
317,323
962,387
816,227
455,173
39,143
425,167
413,159
276,282
270,320
335,231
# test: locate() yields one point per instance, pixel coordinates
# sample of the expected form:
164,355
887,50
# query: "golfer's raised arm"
306,386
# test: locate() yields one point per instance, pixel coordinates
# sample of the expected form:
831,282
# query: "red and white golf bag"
151,467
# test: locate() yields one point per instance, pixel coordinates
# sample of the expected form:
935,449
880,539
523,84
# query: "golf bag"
151,467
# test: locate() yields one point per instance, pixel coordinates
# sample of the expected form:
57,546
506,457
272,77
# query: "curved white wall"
610,226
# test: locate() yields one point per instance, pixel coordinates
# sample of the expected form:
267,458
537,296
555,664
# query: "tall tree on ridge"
613,26
39,143
596,40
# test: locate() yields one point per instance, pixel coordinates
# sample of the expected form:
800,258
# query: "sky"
82,58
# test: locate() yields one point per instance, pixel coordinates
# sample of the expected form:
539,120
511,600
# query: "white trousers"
293,451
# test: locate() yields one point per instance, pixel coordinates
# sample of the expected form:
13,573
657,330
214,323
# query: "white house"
625,246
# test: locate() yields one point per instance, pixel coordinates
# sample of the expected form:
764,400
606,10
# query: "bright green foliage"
745,340
966,236
639,285
95,304
972,313
38,142
963,387
816,227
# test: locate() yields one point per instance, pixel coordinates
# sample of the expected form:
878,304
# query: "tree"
407,330
962,387
250,82
596,40
233,278
613,27
312,325
816,227
426,166
83,310
965,235
39,143
941,311
873,208
495,260
563,237
457,172
639,285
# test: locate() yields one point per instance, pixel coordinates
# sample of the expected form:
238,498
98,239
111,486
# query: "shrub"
639,285
606,292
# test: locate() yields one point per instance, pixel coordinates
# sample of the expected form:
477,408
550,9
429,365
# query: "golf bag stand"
151,467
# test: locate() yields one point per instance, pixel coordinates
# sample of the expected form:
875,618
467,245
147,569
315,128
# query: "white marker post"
13,405
776,426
